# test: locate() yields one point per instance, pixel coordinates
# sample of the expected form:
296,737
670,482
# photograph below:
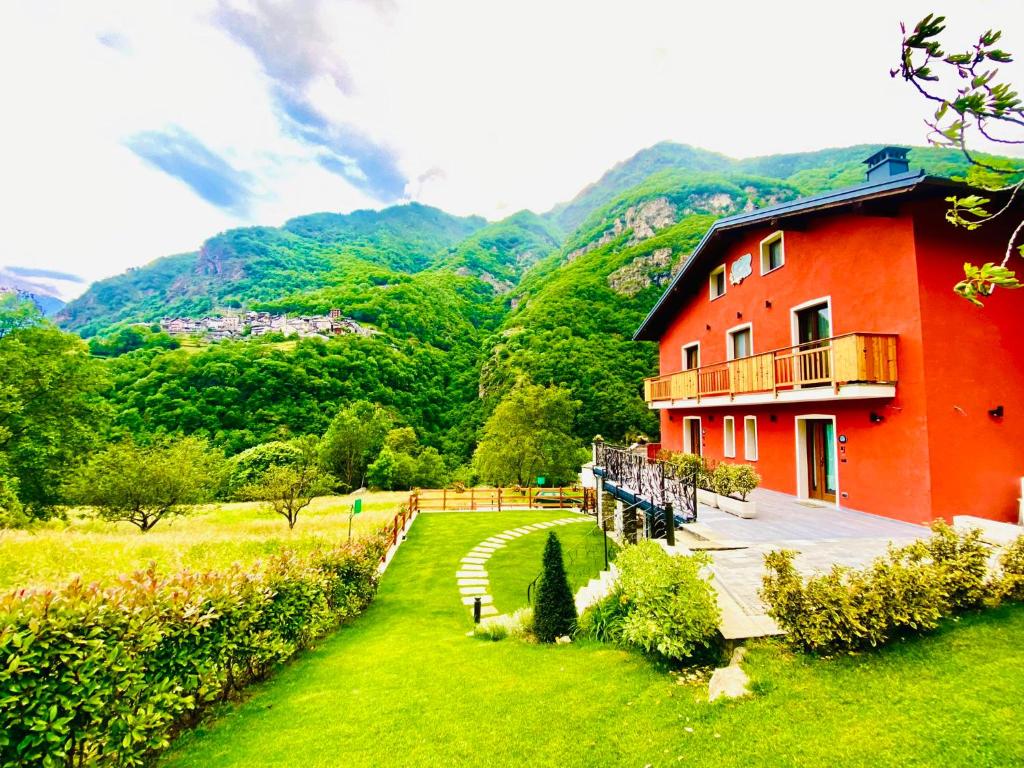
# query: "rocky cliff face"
655,268
643,220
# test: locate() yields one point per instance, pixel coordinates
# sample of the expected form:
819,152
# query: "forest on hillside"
464,313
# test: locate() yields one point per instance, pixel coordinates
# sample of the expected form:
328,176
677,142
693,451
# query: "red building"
821,341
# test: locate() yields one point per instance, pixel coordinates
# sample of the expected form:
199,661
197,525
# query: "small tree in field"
289,489
554,611
142,485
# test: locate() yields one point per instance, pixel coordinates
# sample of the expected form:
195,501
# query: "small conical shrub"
554,611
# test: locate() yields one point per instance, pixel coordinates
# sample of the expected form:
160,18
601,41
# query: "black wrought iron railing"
657,486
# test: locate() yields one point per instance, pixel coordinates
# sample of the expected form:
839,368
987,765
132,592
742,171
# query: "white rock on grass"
472,582
730,682
471,574
484,599
473,590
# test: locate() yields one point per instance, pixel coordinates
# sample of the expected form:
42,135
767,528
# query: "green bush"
962,564
670,608
12,515
909,590
1011,562
603,620
554,609
736,480
105,676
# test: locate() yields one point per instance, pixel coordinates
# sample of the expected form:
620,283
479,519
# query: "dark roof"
900,184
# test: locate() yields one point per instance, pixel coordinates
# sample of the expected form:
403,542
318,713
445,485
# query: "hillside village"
261,323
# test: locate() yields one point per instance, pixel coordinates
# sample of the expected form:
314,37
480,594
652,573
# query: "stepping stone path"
471,575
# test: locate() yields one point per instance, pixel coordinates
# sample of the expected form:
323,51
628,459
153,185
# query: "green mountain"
243,267
460,308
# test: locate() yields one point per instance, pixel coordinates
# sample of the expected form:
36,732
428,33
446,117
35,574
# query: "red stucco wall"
866,265
974,361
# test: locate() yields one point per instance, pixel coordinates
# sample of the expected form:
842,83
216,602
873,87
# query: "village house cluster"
261,323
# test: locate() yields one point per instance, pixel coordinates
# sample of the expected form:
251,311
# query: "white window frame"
687,446
728,339
749,446
780,236
711,282
794,320
729,437
682,357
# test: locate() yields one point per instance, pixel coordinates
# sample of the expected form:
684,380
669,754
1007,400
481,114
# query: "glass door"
822,477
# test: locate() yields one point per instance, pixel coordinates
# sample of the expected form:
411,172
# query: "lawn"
404,686
215,536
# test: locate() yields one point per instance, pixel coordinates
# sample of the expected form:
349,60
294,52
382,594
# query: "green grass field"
404,686
214,536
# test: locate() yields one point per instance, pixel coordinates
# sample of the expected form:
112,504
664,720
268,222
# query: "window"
773,253
729,427
813,323
750,438
740,342
717,282
691,356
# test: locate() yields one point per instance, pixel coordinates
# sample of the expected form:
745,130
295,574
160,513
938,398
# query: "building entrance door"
821,460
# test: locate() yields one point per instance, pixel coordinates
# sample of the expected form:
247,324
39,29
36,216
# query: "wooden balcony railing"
854,358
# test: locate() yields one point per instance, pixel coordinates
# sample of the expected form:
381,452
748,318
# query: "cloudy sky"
137,129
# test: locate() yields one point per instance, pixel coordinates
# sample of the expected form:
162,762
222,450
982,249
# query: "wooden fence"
497,499
397,526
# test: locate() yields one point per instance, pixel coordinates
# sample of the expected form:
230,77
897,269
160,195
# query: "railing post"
472,500
670,525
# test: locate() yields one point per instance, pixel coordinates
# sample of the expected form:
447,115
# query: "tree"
430,469
17,313
288,489
554,609
52,409
530,433
142,485
353,439
381,473
250,465
975,106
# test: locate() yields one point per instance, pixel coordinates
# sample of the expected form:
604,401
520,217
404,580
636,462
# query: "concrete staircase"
597,589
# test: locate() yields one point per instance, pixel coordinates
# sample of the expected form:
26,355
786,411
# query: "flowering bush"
105,676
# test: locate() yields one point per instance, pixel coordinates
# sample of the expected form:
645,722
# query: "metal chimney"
886,162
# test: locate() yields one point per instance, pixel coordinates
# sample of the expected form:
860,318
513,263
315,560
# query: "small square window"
773,252
717,283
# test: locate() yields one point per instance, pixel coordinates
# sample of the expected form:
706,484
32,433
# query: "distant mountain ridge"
46,288
471,305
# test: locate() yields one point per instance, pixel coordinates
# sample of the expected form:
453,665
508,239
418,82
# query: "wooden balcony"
855,365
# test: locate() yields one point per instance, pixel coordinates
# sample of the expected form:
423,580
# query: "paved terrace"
822,535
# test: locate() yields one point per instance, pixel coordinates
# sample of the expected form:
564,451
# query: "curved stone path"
472,574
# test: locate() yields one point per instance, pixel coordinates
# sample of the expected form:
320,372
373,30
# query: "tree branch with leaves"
972,104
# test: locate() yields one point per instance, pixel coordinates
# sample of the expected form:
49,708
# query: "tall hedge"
106,676
554,612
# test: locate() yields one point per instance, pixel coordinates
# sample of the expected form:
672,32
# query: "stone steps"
596,589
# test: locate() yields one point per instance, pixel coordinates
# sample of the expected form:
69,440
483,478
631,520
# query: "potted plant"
733,482
691,463
706,493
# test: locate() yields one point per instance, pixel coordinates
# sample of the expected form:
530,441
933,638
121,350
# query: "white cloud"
485,107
